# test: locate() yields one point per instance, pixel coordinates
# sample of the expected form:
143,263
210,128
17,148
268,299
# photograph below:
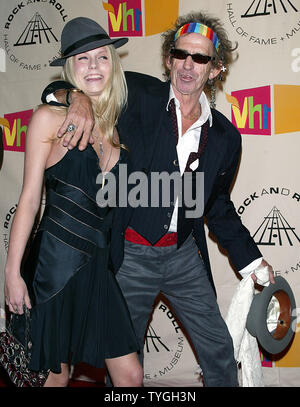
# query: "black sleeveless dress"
79,313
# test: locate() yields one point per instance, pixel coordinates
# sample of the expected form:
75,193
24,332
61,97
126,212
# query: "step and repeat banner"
260,96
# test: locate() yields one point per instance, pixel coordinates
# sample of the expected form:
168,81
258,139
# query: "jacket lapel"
211,159
155,120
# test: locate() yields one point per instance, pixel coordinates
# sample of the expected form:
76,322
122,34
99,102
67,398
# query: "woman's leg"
125,371
58,379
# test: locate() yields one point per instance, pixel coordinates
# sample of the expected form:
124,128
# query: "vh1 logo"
14,130
125,18
251,110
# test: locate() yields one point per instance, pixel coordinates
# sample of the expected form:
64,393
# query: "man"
163,123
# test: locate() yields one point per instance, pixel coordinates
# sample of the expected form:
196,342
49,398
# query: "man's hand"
80,114
264,264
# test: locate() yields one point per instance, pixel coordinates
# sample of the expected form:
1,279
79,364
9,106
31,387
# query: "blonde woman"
78,313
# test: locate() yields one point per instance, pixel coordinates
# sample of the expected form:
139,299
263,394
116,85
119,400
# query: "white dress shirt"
188,142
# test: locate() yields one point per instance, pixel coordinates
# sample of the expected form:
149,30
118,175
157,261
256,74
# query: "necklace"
104,169
101,149
101,154
192,116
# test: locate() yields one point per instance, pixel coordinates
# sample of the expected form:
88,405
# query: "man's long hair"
224,54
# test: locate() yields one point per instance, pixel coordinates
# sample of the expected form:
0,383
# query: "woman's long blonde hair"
113,98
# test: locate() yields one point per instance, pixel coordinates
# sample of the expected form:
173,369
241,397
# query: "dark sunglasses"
182,54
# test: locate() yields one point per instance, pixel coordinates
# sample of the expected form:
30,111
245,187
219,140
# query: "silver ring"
71,127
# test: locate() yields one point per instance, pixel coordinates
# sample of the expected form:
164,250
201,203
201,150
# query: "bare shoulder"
47,113
48,119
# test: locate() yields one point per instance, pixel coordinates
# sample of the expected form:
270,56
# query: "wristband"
68,94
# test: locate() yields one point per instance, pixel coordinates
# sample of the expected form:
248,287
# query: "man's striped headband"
199,29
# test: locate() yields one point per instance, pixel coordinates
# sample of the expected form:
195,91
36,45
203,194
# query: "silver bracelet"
68,94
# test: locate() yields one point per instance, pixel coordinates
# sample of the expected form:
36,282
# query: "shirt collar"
205,108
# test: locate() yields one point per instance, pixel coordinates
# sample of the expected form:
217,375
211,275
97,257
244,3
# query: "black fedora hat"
279,339
82,34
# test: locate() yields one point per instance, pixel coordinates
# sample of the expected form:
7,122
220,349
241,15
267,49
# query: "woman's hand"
16,294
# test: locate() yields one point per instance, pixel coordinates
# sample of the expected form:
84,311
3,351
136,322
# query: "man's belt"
168,239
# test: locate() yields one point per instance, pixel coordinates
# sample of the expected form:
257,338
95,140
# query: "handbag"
15,354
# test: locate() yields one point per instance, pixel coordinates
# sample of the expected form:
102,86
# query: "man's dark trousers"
181,276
